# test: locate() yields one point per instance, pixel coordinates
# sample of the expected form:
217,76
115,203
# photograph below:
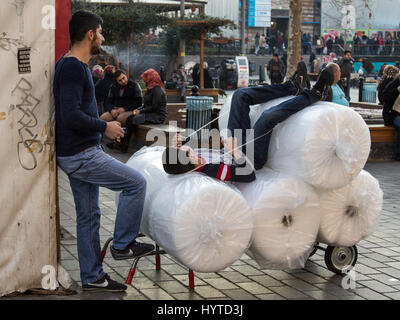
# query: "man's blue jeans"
396,124
240,107
87,171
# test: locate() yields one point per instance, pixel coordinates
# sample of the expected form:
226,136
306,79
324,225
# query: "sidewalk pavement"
377,269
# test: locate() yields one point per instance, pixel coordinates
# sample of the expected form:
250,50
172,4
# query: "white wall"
225,9
27,188
385,14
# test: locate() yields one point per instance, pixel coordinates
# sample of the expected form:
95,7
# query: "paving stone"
371,263
156,294
184,279
239,294
267,281
393,295
322,295
289,293
370,294
310,278
208,292
221,283
247,270
270,296
254,288
386,279
334,289
187,296
300,285
157,276
234,276
172,286
395,273
279,275
394,264
378,286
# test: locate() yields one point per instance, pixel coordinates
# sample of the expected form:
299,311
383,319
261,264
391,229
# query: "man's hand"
114,113
120,110
136,112
114,130
230,145
398,89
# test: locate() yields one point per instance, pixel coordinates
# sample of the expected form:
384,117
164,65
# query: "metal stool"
157,253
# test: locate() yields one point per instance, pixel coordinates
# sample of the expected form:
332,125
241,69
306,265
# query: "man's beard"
94,49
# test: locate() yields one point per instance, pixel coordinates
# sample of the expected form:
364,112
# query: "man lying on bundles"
182,159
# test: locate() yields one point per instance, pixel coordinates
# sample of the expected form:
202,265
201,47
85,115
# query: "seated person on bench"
124,96
239,118
154,109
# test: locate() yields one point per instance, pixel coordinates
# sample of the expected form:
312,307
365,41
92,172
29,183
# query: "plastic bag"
286,219
203,223
350,214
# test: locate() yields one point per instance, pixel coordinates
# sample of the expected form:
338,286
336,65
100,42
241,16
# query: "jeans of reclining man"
240,107
87,171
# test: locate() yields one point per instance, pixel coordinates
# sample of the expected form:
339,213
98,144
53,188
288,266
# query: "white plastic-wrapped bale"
286,219
326,144
351,213
203,223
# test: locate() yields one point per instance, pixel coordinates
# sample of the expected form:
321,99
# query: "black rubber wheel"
314,250
338,259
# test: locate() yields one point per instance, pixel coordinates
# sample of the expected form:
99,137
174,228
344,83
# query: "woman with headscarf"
97,73
389,73
388,92
154,109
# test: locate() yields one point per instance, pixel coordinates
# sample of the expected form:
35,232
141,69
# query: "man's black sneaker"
325,80
105,284
135,249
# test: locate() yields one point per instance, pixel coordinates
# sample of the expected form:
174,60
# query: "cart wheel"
338,259
314,250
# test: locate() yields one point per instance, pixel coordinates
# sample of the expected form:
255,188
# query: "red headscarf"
152,79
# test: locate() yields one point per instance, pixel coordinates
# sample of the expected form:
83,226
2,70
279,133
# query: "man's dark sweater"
128,97
78,126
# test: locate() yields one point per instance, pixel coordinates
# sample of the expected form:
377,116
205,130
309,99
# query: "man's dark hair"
118,72
172,161
346,52
275,55
81,22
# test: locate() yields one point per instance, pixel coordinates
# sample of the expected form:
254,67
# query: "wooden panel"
381,133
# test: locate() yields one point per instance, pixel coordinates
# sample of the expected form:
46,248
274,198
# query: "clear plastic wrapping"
203,223
286,219
351,213
326,144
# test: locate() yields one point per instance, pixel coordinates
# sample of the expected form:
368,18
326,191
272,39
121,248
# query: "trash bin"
199,115
252,67
369,92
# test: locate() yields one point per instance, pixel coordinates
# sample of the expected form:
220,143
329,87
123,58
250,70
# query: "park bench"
173,94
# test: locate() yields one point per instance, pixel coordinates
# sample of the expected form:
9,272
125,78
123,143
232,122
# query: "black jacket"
345,68
328,95
129,98
389,96
102,87
155,101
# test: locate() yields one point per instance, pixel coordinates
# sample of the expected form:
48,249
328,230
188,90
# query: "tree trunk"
294,41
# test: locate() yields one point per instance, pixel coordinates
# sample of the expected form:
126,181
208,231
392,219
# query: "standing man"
276,70
81,157
346,67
